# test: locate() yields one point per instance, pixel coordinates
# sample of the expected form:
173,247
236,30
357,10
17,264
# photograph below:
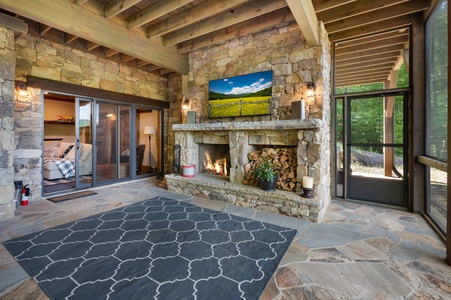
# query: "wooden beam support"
366,66
372,52
254,25
18,26
377,16
389,125
401,40
392,55
115,7
361,81
362,71
192,15
69,38
354,9
154,11
305,16
230,18
322,5
376,38
92,27
397,23
81,2
43,29
110,52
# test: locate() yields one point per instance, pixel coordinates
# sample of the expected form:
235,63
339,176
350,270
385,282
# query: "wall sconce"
22,88
185,104
311,87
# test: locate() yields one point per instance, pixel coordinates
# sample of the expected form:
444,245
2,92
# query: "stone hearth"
242,138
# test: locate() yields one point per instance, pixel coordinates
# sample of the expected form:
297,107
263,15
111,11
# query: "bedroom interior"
113,127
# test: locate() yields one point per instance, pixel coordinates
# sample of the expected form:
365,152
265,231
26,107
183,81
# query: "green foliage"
265,172
367,115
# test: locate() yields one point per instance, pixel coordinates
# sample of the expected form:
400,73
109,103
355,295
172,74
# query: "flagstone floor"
357,251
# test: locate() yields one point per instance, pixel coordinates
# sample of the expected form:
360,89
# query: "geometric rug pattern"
155,249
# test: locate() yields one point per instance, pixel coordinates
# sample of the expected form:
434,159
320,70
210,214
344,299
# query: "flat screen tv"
244,95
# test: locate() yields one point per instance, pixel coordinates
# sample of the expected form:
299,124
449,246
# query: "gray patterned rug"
159,248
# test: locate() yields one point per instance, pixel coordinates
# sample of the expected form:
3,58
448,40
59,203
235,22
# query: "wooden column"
389,125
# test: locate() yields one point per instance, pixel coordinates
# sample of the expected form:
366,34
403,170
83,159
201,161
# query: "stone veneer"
7,206
243,138
45,59
283,50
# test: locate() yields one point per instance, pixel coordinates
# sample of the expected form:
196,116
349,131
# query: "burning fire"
219,167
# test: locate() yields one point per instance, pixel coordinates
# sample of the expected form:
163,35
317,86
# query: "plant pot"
269,185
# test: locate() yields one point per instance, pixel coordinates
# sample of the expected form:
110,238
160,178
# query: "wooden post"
389,125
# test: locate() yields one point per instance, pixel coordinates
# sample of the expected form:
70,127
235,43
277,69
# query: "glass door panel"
148,141
83,165
124,141
106,142
375,149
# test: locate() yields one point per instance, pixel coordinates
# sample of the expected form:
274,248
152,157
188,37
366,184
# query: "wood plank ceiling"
370,36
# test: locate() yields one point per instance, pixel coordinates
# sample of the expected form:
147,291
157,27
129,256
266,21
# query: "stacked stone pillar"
7,69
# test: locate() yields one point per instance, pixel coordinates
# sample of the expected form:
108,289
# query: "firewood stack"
284,162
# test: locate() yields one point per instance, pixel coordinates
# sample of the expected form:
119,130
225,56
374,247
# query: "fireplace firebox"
214,159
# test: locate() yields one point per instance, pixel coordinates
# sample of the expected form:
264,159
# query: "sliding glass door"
113,129
83,140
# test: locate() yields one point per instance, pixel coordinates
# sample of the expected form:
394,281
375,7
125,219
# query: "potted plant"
267,176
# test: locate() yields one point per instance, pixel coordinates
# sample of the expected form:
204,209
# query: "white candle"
302,110
307,182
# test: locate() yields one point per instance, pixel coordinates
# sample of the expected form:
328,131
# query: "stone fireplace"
214,159
242,138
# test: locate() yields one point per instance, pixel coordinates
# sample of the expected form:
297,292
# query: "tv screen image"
244,95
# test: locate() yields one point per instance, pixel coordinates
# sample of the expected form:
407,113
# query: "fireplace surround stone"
311,137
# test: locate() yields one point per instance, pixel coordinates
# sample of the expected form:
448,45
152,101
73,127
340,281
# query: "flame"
218,167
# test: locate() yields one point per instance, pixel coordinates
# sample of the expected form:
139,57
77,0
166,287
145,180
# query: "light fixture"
311,87
186,104
150,130
22,88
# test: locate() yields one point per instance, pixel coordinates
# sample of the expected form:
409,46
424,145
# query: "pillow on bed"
50,151
71,154
65,153
62,148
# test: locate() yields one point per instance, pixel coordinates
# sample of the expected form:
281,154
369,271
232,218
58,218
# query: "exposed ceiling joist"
232,17
377,16
154,11
397,23
192,15
252,26
98,30
18,26
400,40
322,5
305,15
115,7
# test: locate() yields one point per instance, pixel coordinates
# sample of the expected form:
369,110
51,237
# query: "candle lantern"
307,187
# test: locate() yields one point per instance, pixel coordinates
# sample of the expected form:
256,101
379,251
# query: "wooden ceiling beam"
366,65
81,2
349,76
43,29
154,11
127,58
192,15
231,17
354,9
372,39
371,52
400,40
255,25
378,16
365,78
374,68
18,26
91,46
115,7
391,55
110,52
69,38
65,16
322,5
396,23
305,15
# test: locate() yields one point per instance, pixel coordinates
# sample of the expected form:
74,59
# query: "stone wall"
42,58
294,64
282,50
7,57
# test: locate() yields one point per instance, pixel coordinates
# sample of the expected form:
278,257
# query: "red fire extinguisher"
25,195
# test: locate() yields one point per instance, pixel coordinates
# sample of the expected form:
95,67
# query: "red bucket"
188,171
